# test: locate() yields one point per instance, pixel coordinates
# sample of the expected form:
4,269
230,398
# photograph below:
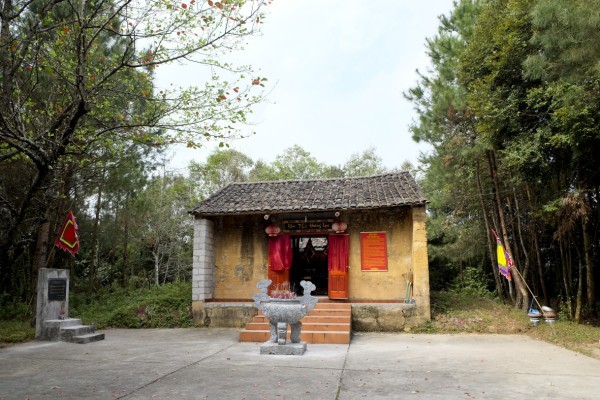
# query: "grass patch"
456,312
582,338
167,306
15,331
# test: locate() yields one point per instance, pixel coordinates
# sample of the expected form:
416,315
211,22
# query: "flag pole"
514,267
528,288
50,255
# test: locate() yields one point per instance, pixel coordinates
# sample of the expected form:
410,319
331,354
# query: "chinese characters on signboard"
297,226
373,251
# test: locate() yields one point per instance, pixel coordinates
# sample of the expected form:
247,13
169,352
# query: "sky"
337,71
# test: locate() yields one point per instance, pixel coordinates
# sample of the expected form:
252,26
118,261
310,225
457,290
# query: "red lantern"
273,230
339,227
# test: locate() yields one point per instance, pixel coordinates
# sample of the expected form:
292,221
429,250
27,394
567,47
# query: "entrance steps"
327,323
70,330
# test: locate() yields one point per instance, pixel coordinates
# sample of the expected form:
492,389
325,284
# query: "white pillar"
204,260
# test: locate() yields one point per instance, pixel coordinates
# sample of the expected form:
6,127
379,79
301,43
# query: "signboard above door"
307,226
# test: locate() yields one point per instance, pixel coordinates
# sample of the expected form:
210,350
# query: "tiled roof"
380,191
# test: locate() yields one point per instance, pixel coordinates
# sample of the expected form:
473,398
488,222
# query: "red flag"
67,238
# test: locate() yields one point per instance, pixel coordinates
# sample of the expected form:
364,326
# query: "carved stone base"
290,349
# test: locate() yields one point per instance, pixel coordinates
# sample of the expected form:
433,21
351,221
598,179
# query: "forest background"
510,107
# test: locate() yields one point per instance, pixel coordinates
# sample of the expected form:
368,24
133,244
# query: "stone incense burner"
282,312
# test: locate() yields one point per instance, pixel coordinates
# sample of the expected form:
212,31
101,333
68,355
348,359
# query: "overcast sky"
337,69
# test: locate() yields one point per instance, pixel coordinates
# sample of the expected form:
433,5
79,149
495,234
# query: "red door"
278,277
280,260
337,254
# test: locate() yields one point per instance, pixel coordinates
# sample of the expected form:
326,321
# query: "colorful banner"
67,237
505,262
373,251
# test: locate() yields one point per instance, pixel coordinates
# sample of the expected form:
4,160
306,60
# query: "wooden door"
278,277
338,254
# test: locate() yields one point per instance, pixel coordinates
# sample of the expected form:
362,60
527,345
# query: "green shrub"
16,331
472,282
166,306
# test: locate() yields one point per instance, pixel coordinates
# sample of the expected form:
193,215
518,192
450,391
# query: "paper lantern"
273,230
339,227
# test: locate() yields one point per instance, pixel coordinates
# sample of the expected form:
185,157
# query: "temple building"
361,241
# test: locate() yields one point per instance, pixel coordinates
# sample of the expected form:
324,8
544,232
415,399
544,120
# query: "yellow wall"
241,256
381,285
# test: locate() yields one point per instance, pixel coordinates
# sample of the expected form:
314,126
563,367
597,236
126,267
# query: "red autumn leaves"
217,4
211,3
255,82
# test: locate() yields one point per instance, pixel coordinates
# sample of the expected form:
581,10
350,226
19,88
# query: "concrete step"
51,328
308,326
340,319
341,306
332,337
68,333
88,338
326,312
61,323
326,323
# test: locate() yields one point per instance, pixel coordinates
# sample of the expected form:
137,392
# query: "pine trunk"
589,267
488,236
94,241
522,294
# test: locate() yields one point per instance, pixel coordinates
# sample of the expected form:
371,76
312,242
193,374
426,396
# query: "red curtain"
337,252
280,252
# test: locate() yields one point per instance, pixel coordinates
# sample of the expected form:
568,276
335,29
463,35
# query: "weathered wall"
223,315
420,264
381,285
390,317
241,256
375,317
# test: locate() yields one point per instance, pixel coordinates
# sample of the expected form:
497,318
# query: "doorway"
310,263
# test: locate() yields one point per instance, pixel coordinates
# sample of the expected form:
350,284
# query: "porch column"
420,264
203,267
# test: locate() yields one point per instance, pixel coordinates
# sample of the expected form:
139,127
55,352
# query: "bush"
167,306
472,282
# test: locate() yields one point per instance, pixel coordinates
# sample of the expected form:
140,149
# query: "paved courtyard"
213,364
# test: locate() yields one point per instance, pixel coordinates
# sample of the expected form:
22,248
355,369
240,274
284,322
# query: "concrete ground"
212,364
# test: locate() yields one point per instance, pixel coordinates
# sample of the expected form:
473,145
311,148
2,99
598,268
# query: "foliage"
166,306
224,166
472,282
220,168
165,228
14,331
77,90
511,110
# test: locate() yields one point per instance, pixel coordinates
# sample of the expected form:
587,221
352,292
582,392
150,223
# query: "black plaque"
57,289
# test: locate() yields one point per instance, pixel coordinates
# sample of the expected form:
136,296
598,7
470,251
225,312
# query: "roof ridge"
352,193
403,172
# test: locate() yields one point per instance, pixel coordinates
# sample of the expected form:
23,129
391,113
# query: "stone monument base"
288,349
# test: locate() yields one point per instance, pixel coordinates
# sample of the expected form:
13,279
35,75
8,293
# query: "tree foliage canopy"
511,108
77,86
